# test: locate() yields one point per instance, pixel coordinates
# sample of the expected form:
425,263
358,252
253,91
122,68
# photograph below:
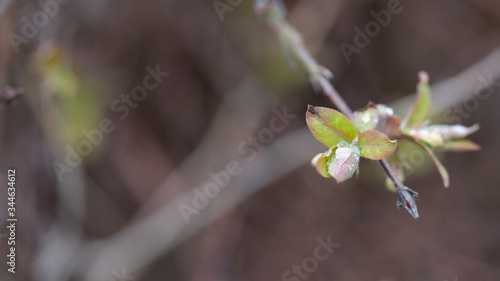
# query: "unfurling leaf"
329,126
461,145
376,145
406,198
420,108
384,111
440,167
344,163
437,135
366,119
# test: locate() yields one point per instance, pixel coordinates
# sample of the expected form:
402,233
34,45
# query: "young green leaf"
376,145
440,167
461,145
418,112
384,111
344,163
366,119
329,126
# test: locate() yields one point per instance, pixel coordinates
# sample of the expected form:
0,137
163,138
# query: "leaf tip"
311,109
474,128
446,182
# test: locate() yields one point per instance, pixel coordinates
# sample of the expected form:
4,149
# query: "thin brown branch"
292,41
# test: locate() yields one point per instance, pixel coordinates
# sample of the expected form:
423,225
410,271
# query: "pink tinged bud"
344,163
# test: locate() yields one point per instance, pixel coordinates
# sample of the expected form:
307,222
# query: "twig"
274,15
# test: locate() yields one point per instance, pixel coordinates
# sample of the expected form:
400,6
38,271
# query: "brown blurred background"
117,215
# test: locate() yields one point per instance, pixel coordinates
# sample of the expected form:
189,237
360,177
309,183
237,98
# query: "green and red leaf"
376,145
329,126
